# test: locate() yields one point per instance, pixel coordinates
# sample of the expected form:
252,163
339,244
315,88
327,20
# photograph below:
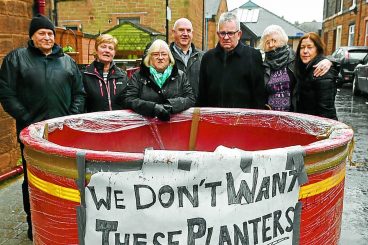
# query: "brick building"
12,36
214,8
345,23
98,16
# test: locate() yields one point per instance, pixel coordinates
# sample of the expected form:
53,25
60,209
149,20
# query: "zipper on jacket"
107,85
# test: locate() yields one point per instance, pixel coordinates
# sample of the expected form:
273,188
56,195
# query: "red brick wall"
12,36
212,25
362,18
100,15
347,18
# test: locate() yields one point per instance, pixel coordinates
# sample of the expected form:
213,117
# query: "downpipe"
15,171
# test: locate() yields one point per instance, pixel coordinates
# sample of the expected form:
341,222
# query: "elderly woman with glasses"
159,89
279,66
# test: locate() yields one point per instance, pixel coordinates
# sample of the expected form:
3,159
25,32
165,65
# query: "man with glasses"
187,57
231,74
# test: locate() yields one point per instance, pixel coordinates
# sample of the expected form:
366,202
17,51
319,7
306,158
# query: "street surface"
354,231
353,111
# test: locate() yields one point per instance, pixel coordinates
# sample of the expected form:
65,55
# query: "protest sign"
228,196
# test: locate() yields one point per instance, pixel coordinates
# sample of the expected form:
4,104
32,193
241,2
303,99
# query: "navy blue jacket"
232,80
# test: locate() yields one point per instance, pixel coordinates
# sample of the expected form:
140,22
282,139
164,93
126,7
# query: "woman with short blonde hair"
106,38
103,80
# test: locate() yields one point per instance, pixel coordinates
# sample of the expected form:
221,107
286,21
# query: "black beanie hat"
40,22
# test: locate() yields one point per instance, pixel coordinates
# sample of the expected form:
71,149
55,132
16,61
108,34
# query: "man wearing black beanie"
40,22
38,83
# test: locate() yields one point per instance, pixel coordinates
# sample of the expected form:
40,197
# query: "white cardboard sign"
195,198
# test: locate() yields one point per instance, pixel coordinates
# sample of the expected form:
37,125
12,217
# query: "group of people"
40,82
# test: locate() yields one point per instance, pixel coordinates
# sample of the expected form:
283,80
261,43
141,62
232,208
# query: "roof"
133,36
145,29
312,26
257,18
211,7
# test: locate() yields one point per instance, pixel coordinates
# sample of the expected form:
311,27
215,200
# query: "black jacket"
192,68
103,96
232,80
316,95
143,93
35,87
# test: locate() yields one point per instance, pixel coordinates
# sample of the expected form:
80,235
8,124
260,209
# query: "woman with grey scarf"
279,67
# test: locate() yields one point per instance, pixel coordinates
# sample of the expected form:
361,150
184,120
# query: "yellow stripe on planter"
74,196
53,189
322,186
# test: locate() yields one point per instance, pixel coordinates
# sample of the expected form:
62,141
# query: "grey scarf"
277,58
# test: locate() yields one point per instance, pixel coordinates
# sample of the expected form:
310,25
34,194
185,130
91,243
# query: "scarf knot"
160,78
277,58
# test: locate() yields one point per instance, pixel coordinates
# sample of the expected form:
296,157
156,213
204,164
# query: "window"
134,20
338,36
339,5
74,28
351,35
353,4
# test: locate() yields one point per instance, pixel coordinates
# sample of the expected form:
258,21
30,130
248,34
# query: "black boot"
30,234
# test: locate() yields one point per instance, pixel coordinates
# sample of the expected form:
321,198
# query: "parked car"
348,58
360,83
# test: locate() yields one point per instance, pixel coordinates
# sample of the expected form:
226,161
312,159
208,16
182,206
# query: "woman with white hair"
279,65
159,89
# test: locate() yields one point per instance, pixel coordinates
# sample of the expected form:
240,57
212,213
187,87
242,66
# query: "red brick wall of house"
212,25
100,15
11,37
348,17
361,25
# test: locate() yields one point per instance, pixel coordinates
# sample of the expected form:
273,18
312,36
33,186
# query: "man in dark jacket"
187,57
231,75
37,83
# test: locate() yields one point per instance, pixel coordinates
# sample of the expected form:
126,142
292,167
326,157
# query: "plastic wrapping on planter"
120,138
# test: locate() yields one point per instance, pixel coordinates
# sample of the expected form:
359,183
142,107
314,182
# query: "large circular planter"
122,136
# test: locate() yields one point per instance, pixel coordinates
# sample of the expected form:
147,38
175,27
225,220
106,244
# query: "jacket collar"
56,50
144,71
317,59
237,50
194,50
97,66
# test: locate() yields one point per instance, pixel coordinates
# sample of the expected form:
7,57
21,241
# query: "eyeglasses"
229,33
158,54
270,41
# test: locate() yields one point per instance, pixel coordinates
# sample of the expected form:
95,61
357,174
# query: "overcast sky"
291,10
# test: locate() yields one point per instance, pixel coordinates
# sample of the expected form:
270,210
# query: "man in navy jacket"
231,74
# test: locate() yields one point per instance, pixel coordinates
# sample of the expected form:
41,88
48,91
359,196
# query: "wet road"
353,111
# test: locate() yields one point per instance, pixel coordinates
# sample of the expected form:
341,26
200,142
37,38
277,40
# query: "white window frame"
351,35
341,6
134,20
353,4
338,36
